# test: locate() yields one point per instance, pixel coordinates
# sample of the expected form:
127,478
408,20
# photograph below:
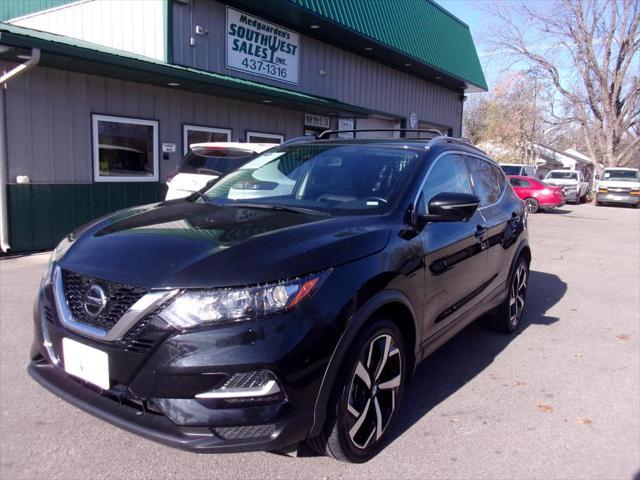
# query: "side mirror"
449,207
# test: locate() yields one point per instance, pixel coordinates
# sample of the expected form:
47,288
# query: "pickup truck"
573,181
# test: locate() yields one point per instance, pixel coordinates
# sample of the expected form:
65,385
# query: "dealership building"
101,99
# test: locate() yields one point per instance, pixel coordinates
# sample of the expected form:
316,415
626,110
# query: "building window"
259,137
124,149
196,134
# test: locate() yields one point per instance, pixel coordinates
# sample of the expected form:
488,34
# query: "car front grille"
619,190
119,299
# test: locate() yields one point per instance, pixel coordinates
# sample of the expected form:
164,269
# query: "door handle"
480,231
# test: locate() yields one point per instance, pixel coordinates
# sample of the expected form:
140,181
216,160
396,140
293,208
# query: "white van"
619,185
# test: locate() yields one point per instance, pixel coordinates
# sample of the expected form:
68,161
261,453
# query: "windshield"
562,175
213,161
511,169
335,179
622,175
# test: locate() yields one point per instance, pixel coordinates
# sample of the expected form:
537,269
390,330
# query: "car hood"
182,244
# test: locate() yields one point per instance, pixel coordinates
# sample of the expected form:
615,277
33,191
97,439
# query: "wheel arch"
394,305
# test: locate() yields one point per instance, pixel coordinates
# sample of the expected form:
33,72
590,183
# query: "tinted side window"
502,179
485,181
449,174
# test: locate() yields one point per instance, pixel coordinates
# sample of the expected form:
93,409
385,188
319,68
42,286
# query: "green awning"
417,36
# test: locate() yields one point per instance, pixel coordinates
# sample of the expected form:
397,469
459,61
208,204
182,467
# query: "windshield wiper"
198,194
282,208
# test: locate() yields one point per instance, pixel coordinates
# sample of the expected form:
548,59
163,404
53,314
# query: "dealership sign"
261,48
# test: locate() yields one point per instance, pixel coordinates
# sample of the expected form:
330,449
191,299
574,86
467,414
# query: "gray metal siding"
49,120
349,78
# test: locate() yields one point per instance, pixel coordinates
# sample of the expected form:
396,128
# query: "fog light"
256,384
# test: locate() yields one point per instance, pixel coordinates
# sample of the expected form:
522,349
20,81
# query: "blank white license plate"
87,363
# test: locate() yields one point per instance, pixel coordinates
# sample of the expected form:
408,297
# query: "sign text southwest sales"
261,48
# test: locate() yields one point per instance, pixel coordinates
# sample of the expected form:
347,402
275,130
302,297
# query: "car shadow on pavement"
556,211
470,352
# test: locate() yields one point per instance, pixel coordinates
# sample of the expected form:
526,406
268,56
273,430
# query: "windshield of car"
213,161
335,179
622,175
562,175
511,169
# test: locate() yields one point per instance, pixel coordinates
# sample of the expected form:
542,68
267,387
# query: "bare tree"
474,119
511,119
589,50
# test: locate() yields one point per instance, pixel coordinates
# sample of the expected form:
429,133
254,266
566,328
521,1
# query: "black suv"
287,303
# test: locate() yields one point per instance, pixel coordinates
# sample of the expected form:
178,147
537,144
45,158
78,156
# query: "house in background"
102,98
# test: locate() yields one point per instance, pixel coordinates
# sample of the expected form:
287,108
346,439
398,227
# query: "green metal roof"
10,9
72,54
419,28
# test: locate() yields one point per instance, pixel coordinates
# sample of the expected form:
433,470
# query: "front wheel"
366,396
508,316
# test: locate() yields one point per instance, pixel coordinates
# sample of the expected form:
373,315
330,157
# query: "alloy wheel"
518,294
532,205
373,391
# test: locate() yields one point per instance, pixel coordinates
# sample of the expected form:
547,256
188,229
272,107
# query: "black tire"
352,402
508,315
532,205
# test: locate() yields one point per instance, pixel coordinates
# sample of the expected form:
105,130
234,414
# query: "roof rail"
327,133
303,138
462,141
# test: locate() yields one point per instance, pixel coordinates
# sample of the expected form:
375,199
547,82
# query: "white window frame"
186,127
95,118
266,135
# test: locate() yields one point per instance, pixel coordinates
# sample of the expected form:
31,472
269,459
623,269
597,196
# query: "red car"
536,194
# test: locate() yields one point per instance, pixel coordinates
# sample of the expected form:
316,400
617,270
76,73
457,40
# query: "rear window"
511,169
518,182
563,175
215,161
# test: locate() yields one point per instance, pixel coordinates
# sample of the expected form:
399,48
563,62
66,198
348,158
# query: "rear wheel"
532,205
366,396
508,316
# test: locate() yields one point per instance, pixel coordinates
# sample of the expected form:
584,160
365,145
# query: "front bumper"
159,427
153,392
612,197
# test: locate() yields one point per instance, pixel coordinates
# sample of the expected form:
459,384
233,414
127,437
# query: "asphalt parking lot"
559,400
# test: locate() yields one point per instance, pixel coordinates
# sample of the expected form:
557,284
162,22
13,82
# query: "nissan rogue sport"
289,302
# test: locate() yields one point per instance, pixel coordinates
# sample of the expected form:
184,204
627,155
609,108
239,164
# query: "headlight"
197,307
